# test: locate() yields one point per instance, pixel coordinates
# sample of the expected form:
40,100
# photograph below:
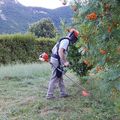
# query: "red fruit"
92,16
86,62
106,7
85,93
109,29
99,68
118,49
103,52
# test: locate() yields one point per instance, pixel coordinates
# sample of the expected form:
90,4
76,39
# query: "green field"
23,89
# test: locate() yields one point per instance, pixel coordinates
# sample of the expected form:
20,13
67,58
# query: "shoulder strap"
60,41
58,47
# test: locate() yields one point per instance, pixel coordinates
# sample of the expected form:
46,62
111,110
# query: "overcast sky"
42,3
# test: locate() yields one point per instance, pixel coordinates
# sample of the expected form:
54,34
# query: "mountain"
14,17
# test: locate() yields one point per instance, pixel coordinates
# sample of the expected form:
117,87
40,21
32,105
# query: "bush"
22,48
98,46
43,28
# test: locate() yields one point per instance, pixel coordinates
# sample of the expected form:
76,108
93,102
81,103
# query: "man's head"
73,35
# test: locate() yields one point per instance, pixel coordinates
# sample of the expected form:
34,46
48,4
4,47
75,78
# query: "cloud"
42,3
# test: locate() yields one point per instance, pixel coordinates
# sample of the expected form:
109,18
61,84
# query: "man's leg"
52,83
63,92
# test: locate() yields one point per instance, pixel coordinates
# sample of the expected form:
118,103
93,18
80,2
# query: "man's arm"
62,57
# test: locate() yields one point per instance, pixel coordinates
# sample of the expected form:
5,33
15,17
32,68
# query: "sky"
42,3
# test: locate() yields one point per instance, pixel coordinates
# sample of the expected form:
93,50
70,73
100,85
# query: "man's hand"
66,64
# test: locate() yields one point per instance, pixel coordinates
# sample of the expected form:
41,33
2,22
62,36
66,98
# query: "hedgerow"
23,48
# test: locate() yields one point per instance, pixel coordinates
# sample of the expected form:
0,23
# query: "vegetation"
23,48
23,90
97,52
43,28
95,59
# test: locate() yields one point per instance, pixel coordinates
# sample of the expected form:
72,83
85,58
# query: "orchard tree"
43,28
97,52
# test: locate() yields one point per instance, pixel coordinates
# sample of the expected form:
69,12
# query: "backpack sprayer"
45,58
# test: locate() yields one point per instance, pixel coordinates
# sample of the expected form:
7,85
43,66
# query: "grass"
23,89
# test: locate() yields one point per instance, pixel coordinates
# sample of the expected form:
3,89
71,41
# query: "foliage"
23,48
23,89
43,28
99,44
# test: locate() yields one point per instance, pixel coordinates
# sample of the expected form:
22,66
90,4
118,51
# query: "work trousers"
54,80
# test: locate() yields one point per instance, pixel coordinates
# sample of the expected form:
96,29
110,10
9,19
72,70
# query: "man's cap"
76,32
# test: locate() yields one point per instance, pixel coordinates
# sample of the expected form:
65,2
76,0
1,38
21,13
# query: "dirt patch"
12,78
87,110
27,100
46,110
4,103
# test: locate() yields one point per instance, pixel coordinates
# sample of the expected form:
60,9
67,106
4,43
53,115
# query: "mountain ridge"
14,17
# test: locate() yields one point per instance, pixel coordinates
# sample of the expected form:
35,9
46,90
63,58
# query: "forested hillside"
15,17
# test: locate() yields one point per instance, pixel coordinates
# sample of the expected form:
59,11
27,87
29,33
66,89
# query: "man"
58,60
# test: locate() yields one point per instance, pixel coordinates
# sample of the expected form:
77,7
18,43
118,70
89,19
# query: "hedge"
23,48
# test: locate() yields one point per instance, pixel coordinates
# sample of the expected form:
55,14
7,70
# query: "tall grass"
24,70
22,97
